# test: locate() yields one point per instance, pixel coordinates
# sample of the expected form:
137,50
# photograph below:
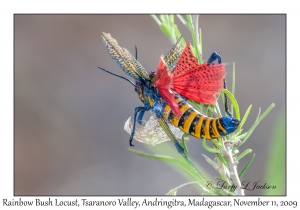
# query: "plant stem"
233,167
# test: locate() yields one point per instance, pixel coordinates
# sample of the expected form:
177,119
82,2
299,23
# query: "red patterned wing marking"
163,82
198,82
201,83
185,62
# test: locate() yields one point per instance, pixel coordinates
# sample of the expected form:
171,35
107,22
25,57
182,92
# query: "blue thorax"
150,98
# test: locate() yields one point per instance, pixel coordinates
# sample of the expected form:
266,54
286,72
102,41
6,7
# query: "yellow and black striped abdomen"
193,122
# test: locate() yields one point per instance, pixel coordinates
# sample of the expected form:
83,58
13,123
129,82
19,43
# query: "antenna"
117,75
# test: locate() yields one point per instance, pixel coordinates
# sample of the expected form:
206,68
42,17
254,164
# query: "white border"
6,73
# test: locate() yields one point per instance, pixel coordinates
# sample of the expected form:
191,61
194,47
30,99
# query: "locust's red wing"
163,81
198,82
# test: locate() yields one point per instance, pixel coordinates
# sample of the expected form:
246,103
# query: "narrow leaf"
223,160
195,41
234,102
178,34
244,119
209,149
246,152
200,45
189,19
243,171
256,123
195,104
167,159
179,148
164,19
156,19
184,21
171,19
183,144
259,110
165,29
184,166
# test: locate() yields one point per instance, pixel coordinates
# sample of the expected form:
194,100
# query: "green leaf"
209,149
167,130
196,48
200,45
183,165
234,102
259,118
158,157
259,110
164,19
239,130
223,160
178,34
241,136
184,21
189,19
156,19
195,105
247,151
167,149
243,171
165,29
171,19
183,144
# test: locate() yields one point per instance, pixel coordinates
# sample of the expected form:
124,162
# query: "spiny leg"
215,56
136,110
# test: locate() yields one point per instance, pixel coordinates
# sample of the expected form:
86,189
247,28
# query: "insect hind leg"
215,56
136,110
141,115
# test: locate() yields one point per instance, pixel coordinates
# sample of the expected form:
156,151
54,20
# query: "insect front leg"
136,110
226,101
214,56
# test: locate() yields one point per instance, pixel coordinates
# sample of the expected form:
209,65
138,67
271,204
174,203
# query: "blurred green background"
69,115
